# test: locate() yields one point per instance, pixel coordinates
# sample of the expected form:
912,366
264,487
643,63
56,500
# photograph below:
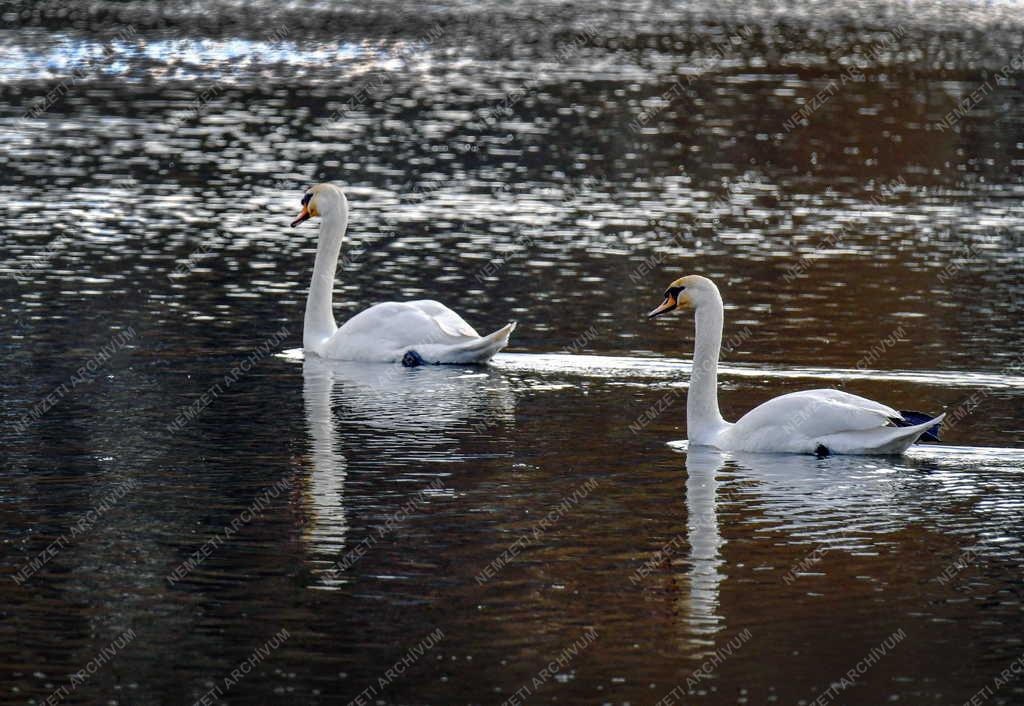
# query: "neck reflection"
705,541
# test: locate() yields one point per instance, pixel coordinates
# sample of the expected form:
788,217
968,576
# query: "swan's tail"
909,419
883,440
477,350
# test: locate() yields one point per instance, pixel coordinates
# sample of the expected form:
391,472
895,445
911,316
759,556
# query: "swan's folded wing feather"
447,320
456,328
385,332
812,414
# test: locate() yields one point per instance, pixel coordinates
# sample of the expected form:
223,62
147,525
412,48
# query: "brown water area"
192,512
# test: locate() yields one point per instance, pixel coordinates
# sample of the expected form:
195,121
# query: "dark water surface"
187,499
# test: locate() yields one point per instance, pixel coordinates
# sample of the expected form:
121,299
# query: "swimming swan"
414,333
811,421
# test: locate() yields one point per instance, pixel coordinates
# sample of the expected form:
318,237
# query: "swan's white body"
811,421
807,421
386,332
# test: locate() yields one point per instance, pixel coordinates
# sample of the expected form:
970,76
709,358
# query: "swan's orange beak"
303,215
666,306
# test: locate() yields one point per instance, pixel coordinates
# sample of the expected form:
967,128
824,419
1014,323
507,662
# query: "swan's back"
798,421
823,421
386,332
445,318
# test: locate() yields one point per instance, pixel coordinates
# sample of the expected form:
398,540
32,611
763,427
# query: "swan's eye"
306,198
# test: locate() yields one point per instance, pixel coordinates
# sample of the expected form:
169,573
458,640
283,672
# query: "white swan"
413,332
811,421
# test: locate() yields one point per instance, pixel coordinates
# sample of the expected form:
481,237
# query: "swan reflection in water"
705,539
853,504
403,416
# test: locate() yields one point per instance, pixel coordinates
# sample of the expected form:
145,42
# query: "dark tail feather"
912,418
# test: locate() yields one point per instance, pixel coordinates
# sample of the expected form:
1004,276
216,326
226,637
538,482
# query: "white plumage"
422,331
386,332
802,422
811,421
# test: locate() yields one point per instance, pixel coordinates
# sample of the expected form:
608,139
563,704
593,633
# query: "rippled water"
557,165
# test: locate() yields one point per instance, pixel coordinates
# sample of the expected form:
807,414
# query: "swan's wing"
404,324
449,322
838,422
385,332
812,414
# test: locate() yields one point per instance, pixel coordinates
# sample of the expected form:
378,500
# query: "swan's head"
320,199
687,293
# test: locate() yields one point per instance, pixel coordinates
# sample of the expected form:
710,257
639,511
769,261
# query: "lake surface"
191,510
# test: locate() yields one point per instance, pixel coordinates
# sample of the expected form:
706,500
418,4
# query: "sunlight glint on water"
867,250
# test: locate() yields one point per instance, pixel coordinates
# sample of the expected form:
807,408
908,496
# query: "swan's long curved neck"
319,322
703,419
